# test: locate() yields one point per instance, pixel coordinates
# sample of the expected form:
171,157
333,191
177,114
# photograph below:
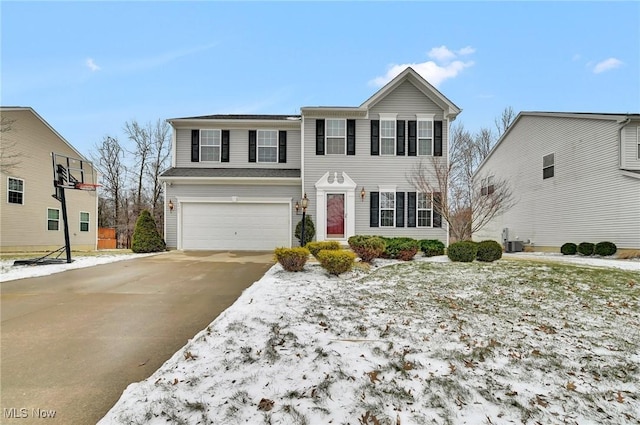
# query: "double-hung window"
425,135
387,209
267,146
15,191
638,140
84,221
548,166
486,186
210,145
424,210
387,134
336,137
53,219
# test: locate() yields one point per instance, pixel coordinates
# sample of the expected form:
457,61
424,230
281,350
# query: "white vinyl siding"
210,145
84,221
387,209
387,137
53,219
267,146
425,137
15,190
336,140
424,210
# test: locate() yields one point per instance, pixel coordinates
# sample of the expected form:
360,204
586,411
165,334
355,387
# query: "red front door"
335,215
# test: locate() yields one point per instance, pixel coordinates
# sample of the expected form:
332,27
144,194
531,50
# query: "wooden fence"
106,238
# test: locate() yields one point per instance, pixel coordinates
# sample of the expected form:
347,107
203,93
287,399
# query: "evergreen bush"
145,235
367,247
569,248
463,251
586,248
315,247
292,259
489,251
309,230
336,262
431,247
401,248
605,249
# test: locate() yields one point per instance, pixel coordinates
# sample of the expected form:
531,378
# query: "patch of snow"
576,259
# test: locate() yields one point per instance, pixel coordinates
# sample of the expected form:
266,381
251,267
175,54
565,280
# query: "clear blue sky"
88,67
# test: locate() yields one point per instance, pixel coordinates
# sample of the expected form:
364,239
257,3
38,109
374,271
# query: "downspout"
621,127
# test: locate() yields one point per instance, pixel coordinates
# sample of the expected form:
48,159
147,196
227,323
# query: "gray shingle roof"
233,172
242,117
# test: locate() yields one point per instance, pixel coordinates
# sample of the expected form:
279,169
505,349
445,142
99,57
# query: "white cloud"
607,65
443,66
92,65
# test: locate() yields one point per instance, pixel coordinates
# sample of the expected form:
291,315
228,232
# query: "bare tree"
161,149
143,150
504,121
9,157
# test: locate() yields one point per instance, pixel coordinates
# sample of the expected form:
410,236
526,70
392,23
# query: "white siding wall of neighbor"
588,199
369,172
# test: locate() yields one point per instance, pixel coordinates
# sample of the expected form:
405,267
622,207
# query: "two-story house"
575,176
235,179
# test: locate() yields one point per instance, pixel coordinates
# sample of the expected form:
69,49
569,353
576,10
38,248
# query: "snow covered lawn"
410,343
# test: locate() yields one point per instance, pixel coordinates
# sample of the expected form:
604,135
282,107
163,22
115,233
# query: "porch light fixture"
304,203
362,194
170,205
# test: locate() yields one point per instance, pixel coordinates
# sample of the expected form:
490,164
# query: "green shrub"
431,247
292,259
605,249
401,248
463,251
569,249
309,230
336,262
586,248
367,247
315,247
145,235
489,251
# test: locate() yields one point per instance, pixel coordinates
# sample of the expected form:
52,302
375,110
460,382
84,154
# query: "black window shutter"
400,138
437,138
373,209
411,209
282,146
252,145
224,155
437,206
195,145
375,137
351,137
413,151
319,137
399,209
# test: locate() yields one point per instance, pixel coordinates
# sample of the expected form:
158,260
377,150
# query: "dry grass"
628,254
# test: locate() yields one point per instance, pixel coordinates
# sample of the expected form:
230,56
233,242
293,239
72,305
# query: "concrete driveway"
73,341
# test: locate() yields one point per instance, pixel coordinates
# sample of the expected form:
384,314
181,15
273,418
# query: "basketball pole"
67,241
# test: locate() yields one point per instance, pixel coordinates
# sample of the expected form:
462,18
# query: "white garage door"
235,226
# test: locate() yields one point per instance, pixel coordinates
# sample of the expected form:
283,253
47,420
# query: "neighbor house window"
267,146
210,145
84,221
487,187
53,219
425,137
424,209
548,165
387,136
638,140
15,191
387,209
336,137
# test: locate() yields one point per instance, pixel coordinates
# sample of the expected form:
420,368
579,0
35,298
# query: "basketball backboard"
72,173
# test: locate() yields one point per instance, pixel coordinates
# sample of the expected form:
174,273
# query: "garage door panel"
235,226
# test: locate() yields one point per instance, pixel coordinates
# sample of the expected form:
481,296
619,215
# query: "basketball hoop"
86,186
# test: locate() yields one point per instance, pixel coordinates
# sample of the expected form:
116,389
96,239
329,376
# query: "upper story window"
486,186
548,166
425,135
387,134
15,191
387,209
210,145
84,221
336,139
424,209
638,140
267,146
53,219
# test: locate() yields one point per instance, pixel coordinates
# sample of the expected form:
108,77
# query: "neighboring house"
235,179
30,218
575,176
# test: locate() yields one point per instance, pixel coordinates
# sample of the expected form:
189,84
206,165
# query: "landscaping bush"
336,262
315,247
586,248
605,249
367,247
463,251
400,248
309,230
145,235
292,259
489,251
431,247
569,249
